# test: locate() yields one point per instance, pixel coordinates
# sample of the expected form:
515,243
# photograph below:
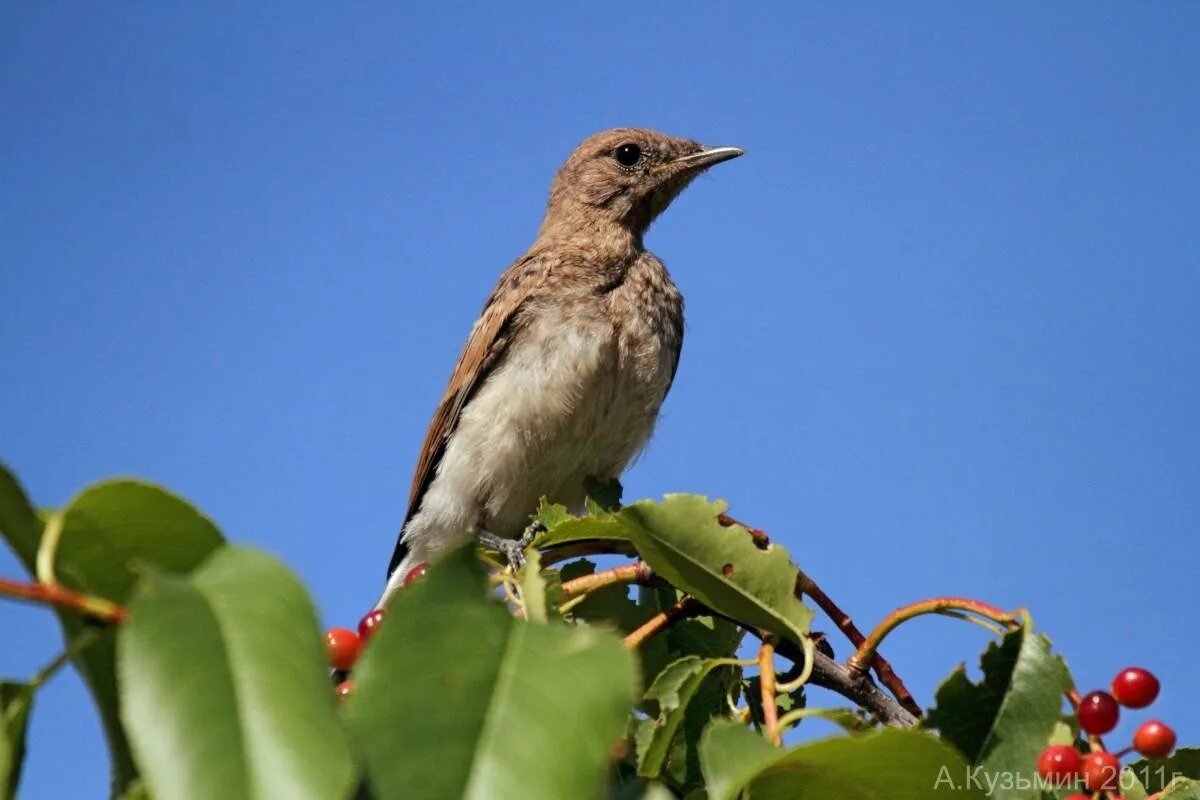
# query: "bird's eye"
628,154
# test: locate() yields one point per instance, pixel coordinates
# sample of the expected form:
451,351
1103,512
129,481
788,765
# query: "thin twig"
857,663
76,646
637,572
687,607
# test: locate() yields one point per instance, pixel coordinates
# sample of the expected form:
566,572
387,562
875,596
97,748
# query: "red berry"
342,644
1078,797
368,624
1059,764
1101,770
1135,687
1097,713
1154,739
344,689
416,573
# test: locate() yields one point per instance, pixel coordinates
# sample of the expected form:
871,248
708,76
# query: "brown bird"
564,371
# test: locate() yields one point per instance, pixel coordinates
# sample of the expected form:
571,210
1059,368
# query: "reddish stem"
857,663
766,685
61,597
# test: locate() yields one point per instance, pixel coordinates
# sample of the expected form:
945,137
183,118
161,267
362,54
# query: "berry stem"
857,663
60,597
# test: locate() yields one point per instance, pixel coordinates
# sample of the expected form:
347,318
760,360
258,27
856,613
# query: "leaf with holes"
722,566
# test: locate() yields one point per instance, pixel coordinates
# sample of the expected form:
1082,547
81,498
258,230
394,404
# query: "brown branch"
862,691
887,676
637,572
766,686
59,596
685,608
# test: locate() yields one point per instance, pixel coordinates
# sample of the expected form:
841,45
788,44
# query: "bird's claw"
513,550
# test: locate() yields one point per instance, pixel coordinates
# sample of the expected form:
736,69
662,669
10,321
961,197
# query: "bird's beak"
701,160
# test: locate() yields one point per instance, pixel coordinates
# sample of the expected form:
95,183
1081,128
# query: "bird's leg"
513,550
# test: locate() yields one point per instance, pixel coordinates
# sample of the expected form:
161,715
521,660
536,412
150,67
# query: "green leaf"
562,528
16,699
1003,723
721,566
533,587
603,497
136,791
888,764
668,698
551,515
106,529
223,687
1156,773
19,524
1182,789
115,527
455,698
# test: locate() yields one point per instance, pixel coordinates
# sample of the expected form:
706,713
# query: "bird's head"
626,176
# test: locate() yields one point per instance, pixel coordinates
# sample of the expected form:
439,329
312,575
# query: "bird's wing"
489,337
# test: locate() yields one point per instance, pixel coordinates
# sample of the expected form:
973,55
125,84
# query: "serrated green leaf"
682,541
456,699
1182,789
888,764
668,698
223,687
611,528
551,515
1156,773
1003,723
16,700
603,497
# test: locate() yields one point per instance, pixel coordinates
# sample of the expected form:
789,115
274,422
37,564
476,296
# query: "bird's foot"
513,550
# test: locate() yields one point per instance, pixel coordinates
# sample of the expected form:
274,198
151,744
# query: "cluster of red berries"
1097,713
343,645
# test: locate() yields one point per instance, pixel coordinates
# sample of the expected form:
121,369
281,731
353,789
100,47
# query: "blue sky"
943,317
